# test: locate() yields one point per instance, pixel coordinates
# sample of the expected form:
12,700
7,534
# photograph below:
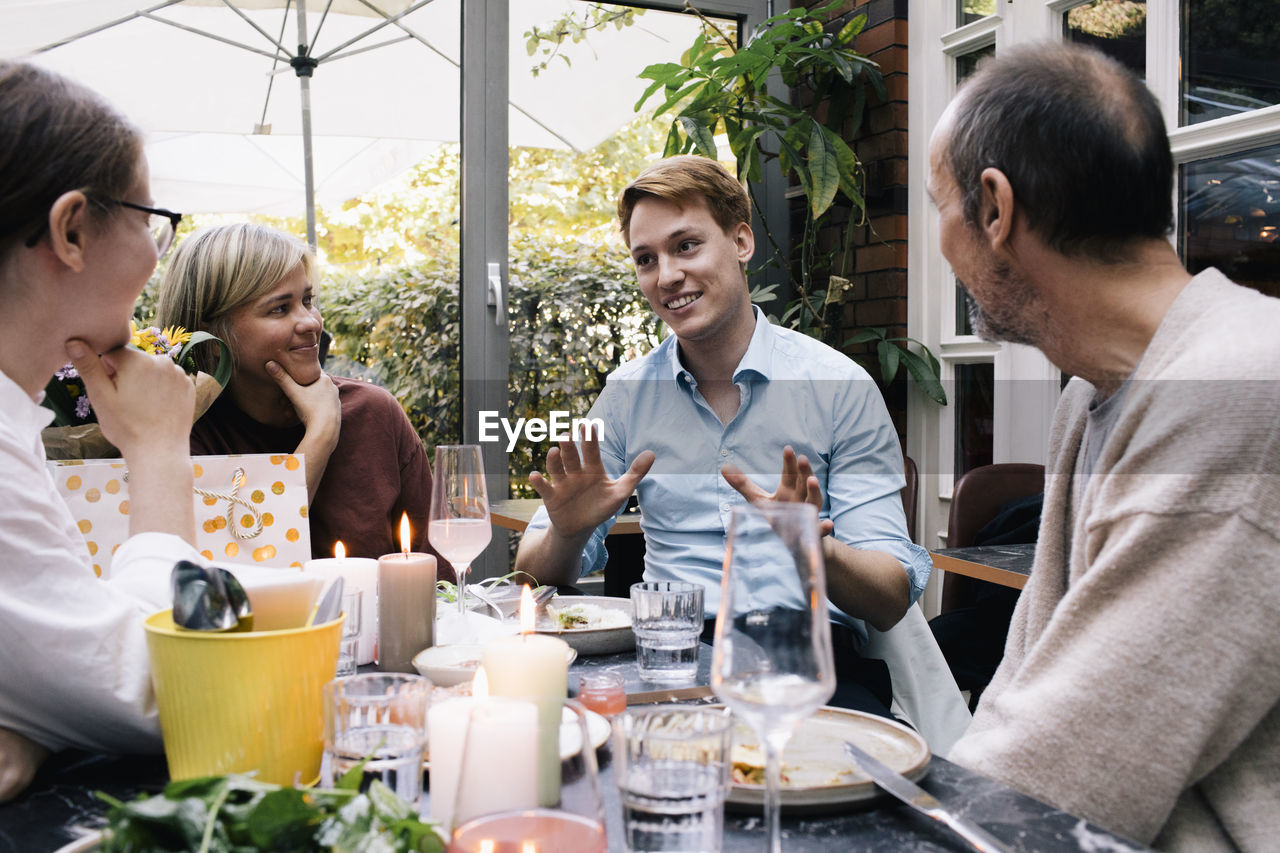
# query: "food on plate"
748,765
747,757
240,813
583,616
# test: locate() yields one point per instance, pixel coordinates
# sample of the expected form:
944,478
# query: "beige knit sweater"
1140,686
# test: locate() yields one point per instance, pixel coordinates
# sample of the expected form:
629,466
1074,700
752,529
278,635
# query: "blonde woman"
79,237
254,287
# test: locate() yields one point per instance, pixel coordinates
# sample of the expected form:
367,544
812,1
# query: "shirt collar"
28,412
758,359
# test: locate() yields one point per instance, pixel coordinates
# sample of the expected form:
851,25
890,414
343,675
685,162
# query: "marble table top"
61,803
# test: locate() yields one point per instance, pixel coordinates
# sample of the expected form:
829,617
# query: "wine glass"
772,663
458,527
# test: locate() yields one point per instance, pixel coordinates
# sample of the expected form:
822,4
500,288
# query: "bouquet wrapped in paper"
75,433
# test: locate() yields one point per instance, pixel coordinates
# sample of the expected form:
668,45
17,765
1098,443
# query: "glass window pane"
1230,216
968,11
1229,59
964,303
967,63
975,415
1118,28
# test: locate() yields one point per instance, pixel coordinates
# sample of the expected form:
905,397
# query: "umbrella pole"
303,65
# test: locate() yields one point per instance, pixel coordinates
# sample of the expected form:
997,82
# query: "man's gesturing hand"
797,485
577,491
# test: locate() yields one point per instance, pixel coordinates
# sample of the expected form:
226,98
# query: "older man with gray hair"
1141,679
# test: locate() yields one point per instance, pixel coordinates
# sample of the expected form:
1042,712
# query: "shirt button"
724,452
724,507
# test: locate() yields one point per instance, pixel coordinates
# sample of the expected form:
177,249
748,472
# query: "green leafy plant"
895,353
221,814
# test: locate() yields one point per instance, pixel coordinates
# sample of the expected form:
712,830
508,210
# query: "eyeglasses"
163,225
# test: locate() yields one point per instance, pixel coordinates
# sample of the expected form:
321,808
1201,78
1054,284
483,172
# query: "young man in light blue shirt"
706,420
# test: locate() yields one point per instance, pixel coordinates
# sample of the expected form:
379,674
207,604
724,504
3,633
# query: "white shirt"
73,654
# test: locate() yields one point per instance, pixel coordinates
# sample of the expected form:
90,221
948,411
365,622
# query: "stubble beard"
1010,320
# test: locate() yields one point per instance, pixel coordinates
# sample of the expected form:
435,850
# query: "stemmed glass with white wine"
458,527
772,663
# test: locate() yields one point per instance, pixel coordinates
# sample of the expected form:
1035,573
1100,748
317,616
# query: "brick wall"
878,296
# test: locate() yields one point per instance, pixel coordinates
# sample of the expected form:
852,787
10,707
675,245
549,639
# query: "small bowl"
446,666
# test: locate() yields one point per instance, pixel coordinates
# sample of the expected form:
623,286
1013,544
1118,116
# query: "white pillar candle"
500,737
358,573
534,667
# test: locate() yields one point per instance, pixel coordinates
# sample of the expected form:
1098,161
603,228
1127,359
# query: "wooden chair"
974,619
975,500
910,493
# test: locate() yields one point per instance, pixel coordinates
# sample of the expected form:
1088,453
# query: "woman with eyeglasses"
79,237
253,287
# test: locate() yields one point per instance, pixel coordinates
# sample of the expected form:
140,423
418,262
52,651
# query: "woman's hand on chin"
320,411
143,402
316,404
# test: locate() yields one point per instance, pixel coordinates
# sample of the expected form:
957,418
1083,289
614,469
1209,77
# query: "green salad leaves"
238,814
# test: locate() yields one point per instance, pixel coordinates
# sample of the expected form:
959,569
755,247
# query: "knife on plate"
922,801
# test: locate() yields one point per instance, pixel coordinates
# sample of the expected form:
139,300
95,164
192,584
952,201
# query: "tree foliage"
574,314
575,25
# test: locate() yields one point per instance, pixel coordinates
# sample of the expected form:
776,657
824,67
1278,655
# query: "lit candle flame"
528,847
339,550
405,539
480,686
526,611
488,845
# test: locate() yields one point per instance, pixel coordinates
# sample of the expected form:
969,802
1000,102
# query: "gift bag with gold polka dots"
249,508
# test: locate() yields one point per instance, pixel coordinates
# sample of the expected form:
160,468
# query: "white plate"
590,641
598,730
820,774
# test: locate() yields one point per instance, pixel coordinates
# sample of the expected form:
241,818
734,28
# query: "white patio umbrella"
236,124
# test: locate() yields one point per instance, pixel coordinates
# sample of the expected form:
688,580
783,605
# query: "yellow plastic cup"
231,703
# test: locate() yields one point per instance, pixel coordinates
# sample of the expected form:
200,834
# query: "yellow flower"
135,337
176,335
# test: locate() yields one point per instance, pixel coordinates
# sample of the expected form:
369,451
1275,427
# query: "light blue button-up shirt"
794,390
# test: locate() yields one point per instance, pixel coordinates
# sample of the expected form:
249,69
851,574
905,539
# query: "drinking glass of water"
458,527
672,766
772,663
667,619
381,717
349,647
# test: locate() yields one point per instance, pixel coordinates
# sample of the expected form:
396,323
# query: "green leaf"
283,821
653,87
823,169
864,335
849,30
927,379
762,294
674,143
222,373
888,354
703,140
